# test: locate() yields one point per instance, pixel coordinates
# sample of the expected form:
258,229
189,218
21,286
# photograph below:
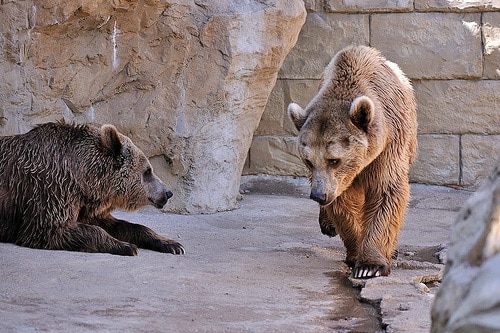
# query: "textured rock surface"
309,58
369,5
491,37
443,152
187,80
456,32
468,299
456,5
471,106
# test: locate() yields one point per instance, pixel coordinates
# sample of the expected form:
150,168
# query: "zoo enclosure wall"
449,49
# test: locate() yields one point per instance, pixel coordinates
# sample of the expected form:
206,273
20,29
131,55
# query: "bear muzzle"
323,190
319,197
161,201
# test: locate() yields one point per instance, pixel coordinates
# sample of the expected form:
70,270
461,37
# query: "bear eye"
333,162
309,164
148,173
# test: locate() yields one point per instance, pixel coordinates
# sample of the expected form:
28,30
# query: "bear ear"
110,140
361,112
297,115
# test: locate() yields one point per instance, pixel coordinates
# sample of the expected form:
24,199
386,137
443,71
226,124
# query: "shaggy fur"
358,137
59,184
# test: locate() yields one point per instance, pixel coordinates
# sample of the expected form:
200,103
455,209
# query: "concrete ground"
265,267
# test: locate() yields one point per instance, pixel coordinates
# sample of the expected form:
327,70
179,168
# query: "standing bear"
60,182
358,137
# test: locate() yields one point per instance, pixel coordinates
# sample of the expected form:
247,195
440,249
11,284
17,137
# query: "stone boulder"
187,80
468,299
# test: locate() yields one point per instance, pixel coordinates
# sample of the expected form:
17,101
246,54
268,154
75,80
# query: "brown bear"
358,137
60,182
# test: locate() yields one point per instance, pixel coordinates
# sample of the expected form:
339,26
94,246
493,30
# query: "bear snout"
162,200
319,197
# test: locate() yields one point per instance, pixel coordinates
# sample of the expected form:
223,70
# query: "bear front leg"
345,214
86,238
327,226
346,224
140,235
384,215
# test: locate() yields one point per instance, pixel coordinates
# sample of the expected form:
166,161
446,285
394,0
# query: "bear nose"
169,194
318,197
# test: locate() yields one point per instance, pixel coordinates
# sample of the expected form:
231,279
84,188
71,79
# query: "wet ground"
265,267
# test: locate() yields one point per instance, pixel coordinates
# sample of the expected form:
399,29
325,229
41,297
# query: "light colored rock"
404,300
456,5
491,37
479,157
468,299
311,54
368,6
186,80
430,45
438,160
276,156
300,92
275,120
443,198
458,106
313,5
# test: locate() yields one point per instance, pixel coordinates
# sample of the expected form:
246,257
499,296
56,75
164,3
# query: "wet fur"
364,197
59,184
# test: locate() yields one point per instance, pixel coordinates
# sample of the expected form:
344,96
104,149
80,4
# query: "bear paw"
177,248
328,229
124,249
368,271
351,263
327,226
169,246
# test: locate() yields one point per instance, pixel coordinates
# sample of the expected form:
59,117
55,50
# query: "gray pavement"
265,267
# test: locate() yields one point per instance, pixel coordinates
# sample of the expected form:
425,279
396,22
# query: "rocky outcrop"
468,299
187,80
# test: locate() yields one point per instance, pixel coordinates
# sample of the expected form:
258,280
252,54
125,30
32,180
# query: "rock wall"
187,80
450,50
468,299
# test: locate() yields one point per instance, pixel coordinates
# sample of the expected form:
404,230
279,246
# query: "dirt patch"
419,253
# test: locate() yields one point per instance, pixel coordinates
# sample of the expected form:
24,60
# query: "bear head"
333,141
132,182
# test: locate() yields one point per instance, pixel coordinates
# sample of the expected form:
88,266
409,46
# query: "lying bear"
358,137
59,184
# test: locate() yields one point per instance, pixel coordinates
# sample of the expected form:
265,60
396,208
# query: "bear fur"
60,182
358,137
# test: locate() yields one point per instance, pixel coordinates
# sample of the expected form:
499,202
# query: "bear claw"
174,248
179,249
367,272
